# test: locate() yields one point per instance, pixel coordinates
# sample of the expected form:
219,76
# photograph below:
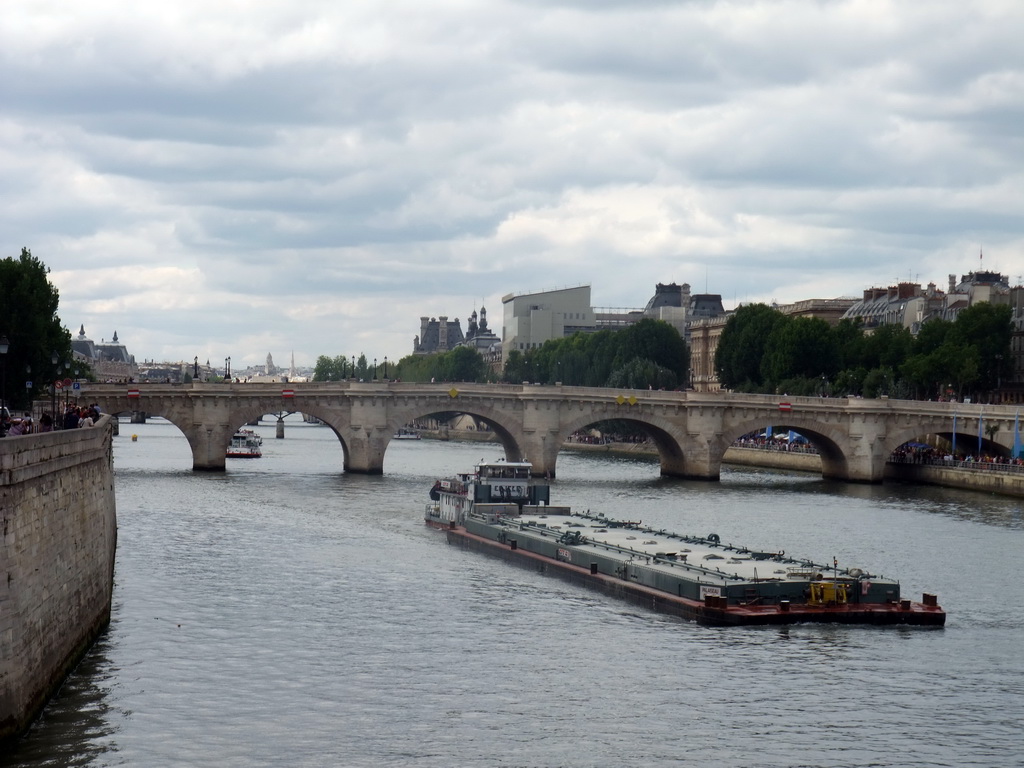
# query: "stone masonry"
59,533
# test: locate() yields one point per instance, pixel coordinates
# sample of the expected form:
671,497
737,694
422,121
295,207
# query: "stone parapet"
57,544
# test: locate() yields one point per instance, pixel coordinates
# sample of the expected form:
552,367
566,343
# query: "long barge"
500,510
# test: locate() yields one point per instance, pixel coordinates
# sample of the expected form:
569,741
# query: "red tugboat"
499,509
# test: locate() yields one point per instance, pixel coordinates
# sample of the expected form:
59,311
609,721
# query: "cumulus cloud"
315,176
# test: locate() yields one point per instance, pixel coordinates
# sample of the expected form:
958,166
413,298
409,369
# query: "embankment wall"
988,481
59,534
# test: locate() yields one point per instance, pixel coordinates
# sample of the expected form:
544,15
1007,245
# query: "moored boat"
406,434
501,510
245,444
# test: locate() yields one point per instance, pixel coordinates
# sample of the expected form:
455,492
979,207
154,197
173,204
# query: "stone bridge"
691,430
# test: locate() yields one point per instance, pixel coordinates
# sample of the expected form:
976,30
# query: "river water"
285,614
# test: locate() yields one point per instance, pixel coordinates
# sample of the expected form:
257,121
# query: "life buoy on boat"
714,538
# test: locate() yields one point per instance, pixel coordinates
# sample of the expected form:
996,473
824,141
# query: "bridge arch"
666,436
507,431
966,437
827,438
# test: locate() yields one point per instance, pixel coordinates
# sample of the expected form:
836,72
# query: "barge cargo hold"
500,510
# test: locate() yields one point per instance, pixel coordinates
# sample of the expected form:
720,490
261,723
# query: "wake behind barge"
499,510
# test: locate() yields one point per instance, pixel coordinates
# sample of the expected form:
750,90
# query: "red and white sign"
133,393
786,407
287,393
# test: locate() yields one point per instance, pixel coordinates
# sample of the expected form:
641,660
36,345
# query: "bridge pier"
541,450
209,446
364,454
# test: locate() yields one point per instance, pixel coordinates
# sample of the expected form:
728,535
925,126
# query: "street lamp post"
353,366
67,387
53,389
375,369
385,367
999,380
195,368
4,346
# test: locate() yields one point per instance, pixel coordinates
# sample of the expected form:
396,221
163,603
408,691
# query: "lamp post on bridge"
353,366
195,368
67,388
385,367
4,346
55,359
375,369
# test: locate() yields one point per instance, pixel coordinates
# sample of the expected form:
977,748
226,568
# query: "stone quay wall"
59,534
985,480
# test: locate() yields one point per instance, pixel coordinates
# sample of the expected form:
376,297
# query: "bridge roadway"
691,430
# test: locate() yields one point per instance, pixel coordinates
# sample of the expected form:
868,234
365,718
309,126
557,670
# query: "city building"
481,338
705,333
530,319
108,360
437,335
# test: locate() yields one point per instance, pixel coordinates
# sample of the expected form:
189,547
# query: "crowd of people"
74,416
781,442
587,438
925,454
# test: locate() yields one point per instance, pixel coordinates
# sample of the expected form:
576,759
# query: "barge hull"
914,614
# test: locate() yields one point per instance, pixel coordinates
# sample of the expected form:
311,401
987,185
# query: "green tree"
986,328
606,358
464,364
742,345
34,332
659,343
331,368
887,346
800,347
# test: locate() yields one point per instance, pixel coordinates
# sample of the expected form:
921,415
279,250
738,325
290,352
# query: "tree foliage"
647,354
740,358
29,321
459,364
332,368
762,350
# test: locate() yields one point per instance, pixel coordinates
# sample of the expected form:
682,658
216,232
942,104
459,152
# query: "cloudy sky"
233,178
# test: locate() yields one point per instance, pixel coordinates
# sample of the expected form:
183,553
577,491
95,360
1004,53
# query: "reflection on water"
283,613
